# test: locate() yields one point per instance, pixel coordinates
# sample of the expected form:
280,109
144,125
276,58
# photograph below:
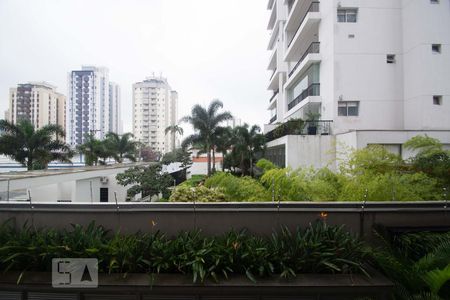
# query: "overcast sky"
206,48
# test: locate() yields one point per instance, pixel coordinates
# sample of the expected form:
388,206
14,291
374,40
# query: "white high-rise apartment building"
37,102
154,109
92,104
115,119
375,71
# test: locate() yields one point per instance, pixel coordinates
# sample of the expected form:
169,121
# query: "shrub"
184,193
266,165
237,189
194,181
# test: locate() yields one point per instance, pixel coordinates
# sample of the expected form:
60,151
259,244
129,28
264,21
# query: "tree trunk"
213,160
242,165
223,161
30,164
251,165
208,156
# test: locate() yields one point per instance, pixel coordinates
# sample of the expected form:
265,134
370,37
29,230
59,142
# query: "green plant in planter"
313,124
196,194
418,264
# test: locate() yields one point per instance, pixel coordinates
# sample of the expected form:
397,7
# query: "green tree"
430,158
224,141
121,146
95,151
32,148
148,180
179,155
174,130
249,145
205,122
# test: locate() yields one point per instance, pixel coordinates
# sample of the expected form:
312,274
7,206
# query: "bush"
185,193
318,248
266,165
238,189
194,180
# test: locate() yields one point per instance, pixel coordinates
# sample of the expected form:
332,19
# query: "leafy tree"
431,158
94,150
32,148
206,123
148,180
148,154
121,146
249,145
179,155
224,141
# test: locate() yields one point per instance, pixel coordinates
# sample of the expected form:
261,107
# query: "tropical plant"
178,155
265,165
94,150
417,263
238,189
174,130
206,122
249,145
147,180
318,248
32,148
223,142
184,193
121,146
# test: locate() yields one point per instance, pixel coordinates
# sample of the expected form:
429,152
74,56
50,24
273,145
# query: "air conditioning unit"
104,180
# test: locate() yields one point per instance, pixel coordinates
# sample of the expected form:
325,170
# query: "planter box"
37,286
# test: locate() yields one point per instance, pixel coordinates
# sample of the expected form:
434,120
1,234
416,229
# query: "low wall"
217,218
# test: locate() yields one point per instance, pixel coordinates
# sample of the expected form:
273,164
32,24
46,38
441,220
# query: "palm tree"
121,146
248,143
93,149
224,141
206,122
174,130
33,148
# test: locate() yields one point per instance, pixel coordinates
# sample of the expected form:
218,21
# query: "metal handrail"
314,7
273,119
312,90
313,48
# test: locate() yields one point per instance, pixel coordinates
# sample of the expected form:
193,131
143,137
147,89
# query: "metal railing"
313,48
300,127
274,95
273,119
312,90
314,7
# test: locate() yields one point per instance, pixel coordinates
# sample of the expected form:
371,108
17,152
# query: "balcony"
312,90
273,18
273,119
314,48
274,81
299,127
274,95
307,27
273,60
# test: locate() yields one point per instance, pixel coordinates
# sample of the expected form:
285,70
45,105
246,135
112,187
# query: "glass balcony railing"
312,90
274,95
313,48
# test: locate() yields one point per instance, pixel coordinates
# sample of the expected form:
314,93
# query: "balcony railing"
273,74
274,95
273,119
314,7
313,48
312,90
300,127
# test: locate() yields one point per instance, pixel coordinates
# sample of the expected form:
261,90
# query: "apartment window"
436,48
437,100
347,15
390,58
348,108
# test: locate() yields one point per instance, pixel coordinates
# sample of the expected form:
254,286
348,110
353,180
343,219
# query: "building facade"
92,104
154,109
37,102
372,72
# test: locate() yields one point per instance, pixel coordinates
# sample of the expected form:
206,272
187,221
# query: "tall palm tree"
224,141
33,148
206,122
248,143
174,130
121,146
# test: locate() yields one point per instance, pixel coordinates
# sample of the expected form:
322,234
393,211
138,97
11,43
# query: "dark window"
390,58
436,48
347,15
348,108
437,100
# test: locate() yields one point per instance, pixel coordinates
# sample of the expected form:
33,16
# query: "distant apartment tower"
154,109
37,102
376,72
93,104
115,120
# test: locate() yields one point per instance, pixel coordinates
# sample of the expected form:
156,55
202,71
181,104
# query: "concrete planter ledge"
173,286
